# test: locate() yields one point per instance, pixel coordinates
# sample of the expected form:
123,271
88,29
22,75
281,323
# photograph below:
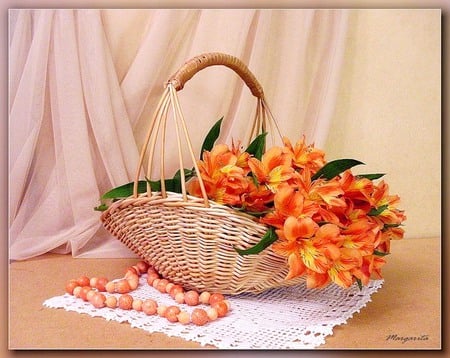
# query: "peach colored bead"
129,274
152,270
101,284
204,297
125,302
161,286
98,301
90,294
83,281
151,277
131,270
155,282
137,270
93,281
137,305
221,308
77,291
169,287
122,286
175,289
215,297
199,317
70,286
161,310
111,302
184,317
191,298
171,313
149,307
228,304
84,291
110,287
133,281
142,266
179,298
212,314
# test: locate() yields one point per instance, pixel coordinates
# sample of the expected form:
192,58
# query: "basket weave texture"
191,240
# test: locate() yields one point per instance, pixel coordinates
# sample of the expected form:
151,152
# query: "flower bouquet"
251,219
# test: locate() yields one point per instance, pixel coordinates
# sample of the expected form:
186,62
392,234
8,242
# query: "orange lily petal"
257,169
316,280
314,258
296,266
295,228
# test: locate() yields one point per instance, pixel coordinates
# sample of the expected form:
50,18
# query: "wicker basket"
191,240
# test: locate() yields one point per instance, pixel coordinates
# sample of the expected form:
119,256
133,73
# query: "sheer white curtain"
83,85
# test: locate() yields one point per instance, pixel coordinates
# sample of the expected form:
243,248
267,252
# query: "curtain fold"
83,85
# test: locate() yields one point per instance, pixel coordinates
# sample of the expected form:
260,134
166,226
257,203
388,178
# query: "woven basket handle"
169,100
196,64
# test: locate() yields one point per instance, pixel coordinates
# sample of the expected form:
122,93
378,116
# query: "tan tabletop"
405,313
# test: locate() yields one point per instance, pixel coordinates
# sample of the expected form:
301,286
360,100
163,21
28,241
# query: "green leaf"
101,207
380,253
268,239
211,137
377,211
256,147
188,173
155,185
371,176
388,226
334,168
358,281
170,185
174,184
125,190
254,179
256,214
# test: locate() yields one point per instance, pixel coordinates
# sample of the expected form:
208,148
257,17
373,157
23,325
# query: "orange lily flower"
371,265
296,239
328,216
384,246
383,238
354,215
224,180
289,202
290,249
241,157
229,190
257,198
274,168
291,242
359,235
358,189
219,157
327,192
341,270
305,156
390,215
329,238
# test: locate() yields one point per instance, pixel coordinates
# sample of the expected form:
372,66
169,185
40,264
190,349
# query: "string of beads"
94,290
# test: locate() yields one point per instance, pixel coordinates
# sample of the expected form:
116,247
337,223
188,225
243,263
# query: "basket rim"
176,199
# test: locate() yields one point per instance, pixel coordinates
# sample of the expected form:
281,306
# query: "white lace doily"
283,318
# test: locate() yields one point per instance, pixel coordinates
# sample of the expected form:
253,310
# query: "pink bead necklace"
90,290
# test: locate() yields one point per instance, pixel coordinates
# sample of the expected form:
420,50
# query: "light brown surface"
408,306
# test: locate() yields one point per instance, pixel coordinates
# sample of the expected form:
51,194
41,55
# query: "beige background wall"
388,111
